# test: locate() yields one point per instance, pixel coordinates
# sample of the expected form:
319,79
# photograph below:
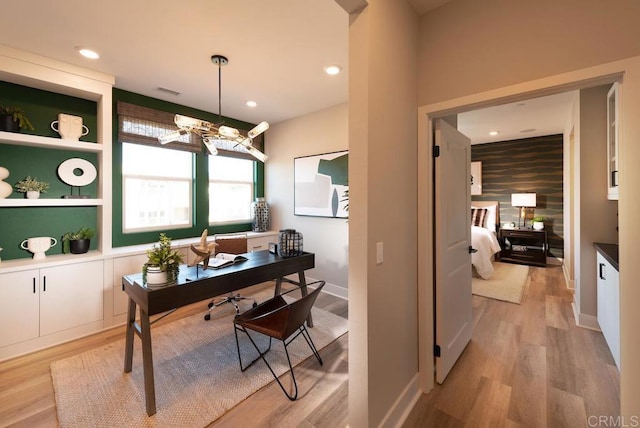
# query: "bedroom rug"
197,375
507,283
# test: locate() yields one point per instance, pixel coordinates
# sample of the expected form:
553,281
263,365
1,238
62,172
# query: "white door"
20,306
453,323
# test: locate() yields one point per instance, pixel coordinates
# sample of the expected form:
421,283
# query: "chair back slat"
300,309
232,244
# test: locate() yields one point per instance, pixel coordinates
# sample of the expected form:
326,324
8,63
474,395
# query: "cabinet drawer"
260,243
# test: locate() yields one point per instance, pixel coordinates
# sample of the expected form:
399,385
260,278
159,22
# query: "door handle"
601,271
472,250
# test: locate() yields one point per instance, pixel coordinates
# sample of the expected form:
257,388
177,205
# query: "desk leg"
128,347
303,289
278,289
147,364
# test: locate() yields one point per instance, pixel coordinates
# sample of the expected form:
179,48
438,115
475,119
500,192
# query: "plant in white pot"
538,222
163,264
32,187
77,242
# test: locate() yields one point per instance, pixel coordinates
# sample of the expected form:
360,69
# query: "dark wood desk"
195,284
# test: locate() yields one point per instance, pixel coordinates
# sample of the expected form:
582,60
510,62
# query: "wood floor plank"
529,386
490,406
565,410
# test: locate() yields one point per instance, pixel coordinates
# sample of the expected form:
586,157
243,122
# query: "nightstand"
524,246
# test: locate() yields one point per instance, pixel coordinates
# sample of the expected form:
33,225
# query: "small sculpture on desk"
203,252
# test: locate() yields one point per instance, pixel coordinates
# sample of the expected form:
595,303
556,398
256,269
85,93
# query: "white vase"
33,194
5,188
538,225
156,276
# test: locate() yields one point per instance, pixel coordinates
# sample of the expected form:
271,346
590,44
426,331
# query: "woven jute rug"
197,375
507,283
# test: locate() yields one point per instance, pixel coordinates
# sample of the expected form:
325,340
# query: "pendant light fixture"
213,134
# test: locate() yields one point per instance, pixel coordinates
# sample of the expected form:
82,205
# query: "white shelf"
50,202
47,142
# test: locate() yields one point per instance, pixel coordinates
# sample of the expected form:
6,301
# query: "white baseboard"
399,412
585,321
571,284
333,289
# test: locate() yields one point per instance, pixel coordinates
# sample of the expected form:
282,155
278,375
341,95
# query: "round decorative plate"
85,175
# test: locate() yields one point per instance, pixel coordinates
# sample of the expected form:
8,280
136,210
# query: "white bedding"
486,243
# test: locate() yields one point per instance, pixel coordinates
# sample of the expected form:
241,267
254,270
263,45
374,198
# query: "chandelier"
213,134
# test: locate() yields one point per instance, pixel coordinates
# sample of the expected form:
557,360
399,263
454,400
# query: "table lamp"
523,201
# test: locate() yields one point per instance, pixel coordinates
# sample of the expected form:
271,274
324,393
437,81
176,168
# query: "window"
156,188
231,184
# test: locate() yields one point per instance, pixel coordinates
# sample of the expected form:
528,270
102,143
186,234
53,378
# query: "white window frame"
251,183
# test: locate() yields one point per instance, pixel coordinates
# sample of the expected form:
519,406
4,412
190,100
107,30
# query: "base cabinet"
40,302
608,285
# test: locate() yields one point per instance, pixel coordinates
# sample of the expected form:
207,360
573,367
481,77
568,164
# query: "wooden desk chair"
232,244
280,320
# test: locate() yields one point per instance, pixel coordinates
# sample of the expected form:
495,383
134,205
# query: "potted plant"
32,187
13,119
163,264
538,222
77,242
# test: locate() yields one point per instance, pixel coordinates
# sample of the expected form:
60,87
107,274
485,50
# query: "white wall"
320,132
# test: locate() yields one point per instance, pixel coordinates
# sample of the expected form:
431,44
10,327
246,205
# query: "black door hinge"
436,350
436,151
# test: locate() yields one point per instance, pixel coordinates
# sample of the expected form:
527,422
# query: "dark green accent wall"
42,108
523,166
201,206
17,224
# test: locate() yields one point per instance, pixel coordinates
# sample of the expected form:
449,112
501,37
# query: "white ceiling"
524,119
277,50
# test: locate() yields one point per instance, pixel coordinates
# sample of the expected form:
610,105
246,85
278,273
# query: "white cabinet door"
612,142
70,296
124,266
19,302
609,306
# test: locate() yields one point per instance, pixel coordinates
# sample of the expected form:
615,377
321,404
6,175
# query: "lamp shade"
523,199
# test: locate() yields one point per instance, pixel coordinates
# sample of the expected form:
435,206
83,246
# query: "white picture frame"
476,178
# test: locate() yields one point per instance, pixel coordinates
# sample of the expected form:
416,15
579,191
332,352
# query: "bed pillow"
490,220
478,217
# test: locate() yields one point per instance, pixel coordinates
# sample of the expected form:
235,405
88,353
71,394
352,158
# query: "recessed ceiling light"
332,69
88,53
493,133
251,104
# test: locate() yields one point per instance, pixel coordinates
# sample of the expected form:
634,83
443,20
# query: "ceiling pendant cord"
219,60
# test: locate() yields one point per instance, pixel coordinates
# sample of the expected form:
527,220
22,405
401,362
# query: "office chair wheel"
210,305
207,317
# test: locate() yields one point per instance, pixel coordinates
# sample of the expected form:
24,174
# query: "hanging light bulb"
259,129
172,136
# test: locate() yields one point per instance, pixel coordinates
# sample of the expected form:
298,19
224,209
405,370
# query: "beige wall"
383,353
598,215
320,132
469,46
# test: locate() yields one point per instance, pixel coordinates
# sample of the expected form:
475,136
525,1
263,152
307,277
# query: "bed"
485,219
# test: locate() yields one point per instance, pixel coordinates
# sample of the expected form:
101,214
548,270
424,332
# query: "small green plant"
164,257
82,233
29,184
18,116
538,218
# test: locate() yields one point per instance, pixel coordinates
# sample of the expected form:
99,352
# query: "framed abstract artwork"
476,178
321,185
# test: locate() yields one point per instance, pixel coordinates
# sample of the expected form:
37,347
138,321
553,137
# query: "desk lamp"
523,201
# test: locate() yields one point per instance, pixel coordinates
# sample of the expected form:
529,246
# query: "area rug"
197,376
507,283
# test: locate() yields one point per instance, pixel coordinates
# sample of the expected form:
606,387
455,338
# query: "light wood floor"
527,365
27,399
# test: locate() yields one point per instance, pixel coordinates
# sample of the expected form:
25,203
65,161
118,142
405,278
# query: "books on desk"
225,259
